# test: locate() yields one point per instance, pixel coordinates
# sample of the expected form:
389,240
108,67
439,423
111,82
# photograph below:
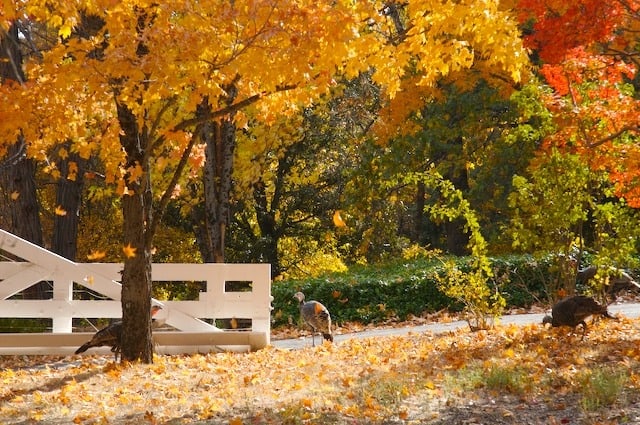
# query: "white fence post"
62,291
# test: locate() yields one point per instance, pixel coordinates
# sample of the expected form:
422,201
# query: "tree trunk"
68,197
20,207
10,56
269,231
19,210
457,238
19,189
220,139
137,213
203,239
418,227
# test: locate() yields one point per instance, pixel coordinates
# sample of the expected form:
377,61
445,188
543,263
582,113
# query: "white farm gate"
189,321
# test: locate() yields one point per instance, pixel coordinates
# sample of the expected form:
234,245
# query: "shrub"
18,325
374,293
366,294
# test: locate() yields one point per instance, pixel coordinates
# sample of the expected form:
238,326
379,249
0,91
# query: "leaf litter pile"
509,375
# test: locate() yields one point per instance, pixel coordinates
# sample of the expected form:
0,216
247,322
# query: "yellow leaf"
337,219
129,251
135,172
96,255
73,171
235,421
15,195
60,211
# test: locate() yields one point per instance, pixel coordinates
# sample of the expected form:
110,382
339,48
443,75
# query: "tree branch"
166,196
187,124
610,137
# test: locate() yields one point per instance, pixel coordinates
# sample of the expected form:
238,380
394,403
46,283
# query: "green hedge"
371,294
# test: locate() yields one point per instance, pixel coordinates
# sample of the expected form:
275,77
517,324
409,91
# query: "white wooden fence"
192,333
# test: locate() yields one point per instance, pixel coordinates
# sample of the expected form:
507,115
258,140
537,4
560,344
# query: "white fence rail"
194,333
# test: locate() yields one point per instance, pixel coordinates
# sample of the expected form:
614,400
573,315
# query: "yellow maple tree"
127,80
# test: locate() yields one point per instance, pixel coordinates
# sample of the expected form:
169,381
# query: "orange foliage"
562,25
586,45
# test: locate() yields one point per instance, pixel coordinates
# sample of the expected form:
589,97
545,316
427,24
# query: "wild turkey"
618,279
573,310
316,316
110,336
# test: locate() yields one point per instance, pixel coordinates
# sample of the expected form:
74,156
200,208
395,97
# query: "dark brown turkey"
110,336
316,316
572,311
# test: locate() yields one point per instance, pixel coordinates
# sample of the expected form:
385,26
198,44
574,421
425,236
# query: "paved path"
628,310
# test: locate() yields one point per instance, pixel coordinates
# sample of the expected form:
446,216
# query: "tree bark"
418,227
220,139
457,238
19,189
137,214
202,236
269,229
69,197
11,57
20,210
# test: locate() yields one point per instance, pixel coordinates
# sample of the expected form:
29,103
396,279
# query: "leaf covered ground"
509,375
